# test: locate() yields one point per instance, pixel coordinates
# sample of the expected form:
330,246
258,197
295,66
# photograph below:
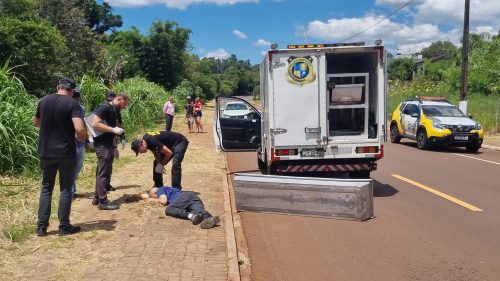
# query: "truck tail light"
286,152
367,149
381,154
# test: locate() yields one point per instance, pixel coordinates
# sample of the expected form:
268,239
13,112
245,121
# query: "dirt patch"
104,232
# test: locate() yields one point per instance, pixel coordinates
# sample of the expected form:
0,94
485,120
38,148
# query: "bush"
146,103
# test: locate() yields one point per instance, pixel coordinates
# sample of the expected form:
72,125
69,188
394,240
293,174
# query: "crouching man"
183,205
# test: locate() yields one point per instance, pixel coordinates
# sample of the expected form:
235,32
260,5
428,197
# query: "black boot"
107,205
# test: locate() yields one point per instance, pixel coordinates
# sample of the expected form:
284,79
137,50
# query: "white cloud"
262,42
239,34
390,32
218,54
176,4
426,21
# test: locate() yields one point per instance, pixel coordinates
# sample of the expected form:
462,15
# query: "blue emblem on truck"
300,70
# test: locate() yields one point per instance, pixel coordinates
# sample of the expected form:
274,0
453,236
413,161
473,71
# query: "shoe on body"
210,222
196,219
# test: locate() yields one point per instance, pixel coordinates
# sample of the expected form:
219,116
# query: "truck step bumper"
319,197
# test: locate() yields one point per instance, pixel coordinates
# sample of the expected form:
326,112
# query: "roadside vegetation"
42,41
437,73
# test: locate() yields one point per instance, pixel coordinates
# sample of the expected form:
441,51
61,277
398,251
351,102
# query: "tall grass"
482,107
18,136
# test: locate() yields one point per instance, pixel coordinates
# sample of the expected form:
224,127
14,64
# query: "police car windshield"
441,110
236,106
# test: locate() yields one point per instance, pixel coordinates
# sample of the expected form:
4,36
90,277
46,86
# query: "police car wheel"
474,147
395,137
422,142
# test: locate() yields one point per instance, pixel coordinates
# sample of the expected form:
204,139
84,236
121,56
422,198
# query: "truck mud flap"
320,197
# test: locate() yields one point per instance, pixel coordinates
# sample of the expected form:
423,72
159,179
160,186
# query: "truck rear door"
295,99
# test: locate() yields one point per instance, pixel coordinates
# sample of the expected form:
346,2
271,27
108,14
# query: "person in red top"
197,108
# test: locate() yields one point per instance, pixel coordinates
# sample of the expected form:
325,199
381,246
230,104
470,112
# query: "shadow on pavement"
383,190
107,225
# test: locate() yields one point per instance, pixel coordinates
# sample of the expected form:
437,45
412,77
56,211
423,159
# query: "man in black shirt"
165,146
58,117
106,121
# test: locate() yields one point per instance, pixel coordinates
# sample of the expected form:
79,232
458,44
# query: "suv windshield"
442,110
236,106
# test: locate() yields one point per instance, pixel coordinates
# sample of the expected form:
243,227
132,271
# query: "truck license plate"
312,153
462,138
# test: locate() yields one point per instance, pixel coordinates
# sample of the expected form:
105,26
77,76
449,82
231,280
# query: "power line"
394,12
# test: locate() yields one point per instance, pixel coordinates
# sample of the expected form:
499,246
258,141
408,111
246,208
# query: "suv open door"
235,129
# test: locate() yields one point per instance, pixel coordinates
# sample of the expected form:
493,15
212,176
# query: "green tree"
34,48
85,53
21,9
438,49
401,69
128,46
164,52
99,17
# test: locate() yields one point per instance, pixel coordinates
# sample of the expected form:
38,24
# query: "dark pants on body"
179,150
187,202
105,157
66,168
169,120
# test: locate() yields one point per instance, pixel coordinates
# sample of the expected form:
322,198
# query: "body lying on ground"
183,205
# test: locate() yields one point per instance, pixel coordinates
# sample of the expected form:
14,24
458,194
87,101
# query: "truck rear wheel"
262,165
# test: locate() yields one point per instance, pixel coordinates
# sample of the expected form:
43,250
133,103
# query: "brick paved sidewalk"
144,244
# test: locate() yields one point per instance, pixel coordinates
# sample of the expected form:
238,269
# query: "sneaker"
196,219
68,229
41,231
107,205
110,188
209,222
95,201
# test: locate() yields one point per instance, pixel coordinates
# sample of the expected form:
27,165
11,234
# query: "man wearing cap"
58,117
106,121
165,146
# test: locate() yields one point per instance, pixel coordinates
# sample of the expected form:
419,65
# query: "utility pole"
465,60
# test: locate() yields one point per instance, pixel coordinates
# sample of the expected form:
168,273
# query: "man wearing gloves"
165,146
106,121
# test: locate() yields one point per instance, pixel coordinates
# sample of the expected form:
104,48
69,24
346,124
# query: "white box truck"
323,110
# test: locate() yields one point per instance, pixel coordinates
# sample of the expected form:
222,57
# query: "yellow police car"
432,122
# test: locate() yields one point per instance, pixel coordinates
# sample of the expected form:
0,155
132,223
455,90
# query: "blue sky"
247,27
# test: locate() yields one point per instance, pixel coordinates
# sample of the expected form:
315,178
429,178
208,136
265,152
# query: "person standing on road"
106,121
189,113
197,108
183,205
81,146
59,118
169,111
165,146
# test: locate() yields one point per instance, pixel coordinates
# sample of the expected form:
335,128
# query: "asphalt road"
437,217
